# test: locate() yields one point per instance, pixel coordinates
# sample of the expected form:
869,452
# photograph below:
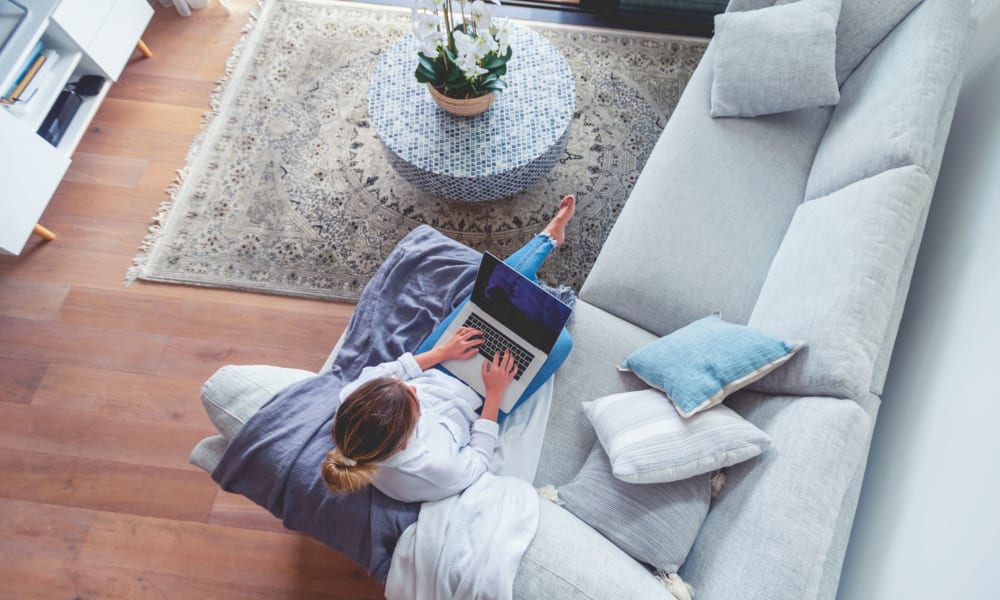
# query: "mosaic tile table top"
494,155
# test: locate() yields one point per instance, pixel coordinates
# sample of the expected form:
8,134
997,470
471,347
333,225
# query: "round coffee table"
493,155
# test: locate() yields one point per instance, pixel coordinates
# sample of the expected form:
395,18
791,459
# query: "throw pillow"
647,441
700,364
775,59
653,523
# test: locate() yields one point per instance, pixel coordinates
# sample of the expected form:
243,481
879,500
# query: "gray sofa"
805,224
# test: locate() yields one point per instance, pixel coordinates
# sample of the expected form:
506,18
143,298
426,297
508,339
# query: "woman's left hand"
462,345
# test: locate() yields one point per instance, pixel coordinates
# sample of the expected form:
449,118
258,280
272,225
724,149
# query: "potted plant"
463,54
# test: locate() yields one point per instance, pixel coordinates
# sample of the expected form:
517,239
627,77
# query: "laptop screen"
519,303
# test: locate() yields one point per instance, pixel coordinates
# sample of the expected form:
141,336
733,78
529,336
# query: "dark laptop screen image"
518,303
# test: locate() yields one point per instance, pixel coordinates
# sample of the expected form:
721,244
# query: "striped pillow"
647,440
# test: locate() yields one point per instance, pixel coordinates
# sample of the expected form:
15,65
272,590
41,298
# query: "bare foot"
557,226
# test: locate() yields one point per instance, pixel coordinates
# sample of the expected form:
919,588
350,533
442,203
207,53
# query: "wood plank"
179,66
166,90
29,528
49,341
38,300
65,432
161,174
116,394
202,319
94,233
105,169
48,261
330,310
138,143
236,557
105,485
34,578
234,510
123,204
19,379
201,358
148,115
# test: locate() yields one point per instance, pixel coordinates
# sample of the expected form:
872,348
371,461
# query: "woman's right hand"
497,375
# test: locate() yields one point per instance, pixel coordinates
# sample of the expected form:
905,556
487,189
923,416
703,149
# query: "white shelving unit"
92,37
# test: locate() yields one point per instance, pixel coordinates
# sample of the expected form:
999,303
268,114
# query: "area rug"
287,190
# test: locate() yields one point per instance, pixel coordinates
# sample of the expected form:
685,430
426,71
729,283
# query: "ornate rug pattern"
287,189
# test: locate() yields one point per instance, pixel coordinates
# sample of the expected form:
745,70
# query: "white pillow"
648,441
775,59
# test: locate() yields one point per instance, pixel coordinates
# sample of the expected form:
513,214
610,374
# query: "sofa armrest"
769,532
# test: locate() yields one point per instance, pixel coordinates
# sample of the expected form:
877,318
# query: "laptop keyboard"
494,341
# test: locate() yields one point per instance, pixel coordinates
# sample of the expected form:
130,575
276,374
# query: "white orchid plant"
462,54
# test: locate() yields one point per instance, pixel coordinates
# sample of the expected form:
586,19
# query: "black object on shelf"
88,85
59,117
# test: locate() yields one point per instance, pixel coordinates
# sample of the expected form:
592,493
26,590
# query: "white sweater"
451,446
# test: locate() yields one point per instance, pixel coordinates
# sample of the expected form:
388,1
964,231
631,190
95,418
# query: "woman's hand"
497,375
460,346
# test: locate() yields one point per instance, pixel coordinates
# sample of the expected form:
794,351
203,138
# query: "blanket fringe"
677,587
164,211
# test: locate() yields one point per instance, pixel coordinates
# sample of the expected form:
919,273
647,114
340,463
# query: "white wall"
928,523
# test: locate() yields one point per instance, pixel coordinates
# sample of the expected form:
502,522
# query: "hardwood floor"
99,402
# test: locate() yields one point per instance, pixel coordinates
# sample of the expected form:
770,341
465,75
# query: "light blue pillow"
700,364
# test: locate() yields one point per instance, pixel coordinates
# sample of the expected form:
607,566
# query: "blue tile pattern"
493,155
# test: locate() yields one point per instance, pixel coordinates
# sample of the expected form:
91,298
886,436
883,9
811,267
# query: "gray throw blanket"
275,458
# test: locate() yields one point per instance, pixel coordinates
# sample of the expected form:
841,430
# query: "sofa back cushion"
895,108
860,28
833,283
707,214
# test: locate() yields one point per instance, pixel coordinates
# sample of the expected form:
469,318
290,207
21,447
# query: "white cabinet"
91,37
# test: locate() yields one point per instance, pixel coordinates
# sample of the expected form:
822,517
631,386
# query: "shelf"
33,113
91,37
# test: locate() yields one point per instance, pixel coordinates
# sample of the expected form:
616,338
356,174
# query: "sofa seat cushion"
833,283
770,530
706,215
775,59
891,107
569,560
600,342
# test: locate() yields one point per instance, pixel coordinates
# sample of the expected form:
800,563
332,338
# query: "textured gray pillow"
648,441
653,523
775,59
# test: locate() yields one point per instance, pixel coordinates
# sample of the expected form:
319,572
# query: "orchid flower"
482,15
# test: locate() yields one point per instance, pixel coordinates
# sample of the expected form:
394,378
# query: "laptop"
514,314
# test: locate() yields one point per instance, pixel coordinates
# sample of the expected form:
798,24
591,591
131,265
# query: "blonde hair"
372,424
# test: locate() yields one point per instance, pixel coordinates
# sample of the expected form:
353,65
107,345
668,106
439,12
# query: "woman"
412,430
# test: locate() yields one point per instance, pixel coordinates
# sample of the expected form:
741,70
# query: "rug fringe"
142,260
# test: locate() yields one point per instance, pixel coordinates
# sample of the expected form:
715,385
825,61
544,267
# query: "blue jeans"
525,261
